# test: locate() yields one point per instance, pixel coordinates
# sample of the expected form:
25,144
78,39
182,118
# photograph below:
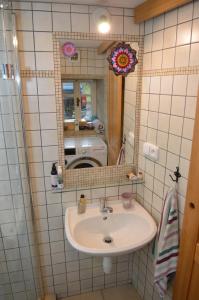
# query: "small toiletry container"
60,183
127,199
53,177
82,205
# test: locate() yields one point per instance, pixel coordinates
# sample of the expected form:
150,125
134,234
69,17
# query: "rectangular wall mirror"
94,102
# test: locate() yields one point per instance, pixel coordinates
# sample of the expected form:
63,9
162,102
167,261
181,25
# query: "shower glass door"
19,266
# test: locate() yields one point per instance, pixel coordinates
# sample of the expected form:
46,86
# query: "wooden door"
115,116
187,278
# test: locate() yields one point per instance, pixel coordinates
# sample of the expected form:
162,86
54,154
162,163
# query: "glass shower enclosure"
19,266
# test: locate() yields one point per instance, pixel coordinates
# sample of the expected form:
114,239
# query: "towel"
167,243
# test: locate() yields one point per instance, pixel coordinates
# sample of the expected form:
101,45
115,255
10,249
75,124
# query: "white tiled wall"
167,119
89,63
64,270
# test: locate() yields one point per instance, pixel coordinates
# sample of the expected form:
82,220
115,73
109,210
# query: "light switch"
151,151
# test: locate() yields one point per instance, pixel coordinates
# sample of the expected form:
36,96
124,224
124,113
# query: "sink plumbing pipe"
107,264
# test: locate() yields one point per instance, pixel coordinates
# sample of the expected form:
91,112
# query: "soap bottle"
82,204
60,177
54,176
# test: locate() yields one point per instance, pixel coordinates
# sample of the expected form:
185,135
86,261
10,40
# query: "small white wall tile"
188,128
43,41
155,85
49,137
165,104
157,40
41,6
184,33
61,22
163,122
158,23
156,62
185,13
196,9
33,138
182,56
48,121
50,153
170,37
27,60
42,21
80,22
79,8
178,105
46,86
168,58
171,18
130,27
192,86
30,104
177,130
180,85
166,85
117,25
44,61
190,109
29,86
148,26
32,121
147,43
34,154
194,57
186,148
195,31
24,20
21,5
47,104
162,139
60,7
25,41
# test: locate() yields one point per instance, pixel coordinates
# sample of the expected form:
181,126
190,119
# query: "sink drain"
107,240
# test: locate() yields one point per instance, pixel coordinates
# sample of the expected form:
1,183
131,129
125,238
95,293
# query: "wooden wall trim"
190,227
154,8
103,47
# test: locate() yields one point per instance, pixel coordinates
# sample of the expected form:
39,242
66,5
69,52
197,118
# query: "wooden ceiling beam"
154,8
104,46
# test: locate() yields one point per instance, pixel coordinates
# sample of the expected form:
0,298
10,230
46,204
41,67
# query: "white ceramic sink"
129,229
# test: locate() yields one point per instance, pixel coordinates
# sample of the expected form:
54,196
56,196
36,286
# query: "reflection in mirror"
94,101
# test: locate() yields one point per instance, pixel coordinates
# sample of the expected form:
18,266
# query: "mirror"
99,107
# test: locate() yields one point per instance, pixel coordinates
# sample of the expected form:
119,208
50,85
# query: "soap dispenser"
82,204
54,176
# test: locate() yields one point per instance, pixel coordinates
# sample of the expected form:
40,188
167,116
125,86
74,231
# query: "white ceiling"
114,3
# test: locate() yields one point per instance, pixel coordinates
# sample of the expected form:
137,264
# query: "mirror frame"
104,175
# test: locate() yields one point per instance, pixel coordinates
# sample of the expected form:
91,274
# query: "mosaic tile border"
32,73
89,177
172,71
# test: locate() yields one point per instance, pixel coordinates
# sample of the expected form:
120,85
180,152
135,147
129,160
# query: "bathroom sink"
108,234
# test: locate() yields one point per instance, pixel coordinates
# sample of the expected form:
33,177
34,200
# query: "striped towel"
167,243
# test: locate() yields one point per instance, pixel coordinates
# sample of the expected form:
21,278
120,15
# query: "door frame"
190,228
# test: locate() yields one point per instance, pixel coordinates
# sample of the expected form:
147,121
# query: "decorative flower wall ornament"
69,49
122,59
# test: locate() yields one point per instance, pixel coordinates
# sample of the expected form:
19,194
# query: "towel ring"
176,174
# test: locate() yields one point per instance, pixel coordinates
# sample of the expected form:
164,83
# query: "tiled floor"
118,293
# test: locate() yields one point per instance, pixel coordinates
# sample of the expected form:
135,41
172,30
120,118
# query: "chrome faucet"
103,206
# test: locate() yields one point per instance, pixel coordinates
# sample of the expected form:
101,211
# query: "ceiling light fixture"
104,25
101,20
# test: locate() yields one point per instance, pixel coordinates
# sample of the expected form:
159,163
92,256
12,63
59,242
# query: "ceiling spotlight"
104,25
